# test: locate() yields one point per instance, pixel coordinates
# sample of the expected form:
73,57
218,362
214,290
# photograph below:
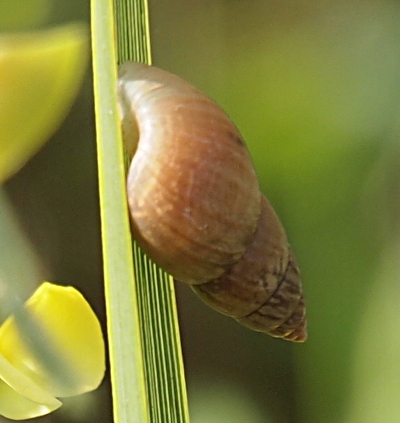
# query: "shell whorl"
196,207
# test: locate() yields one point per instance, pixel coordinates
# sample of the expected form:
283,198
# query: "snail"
196,207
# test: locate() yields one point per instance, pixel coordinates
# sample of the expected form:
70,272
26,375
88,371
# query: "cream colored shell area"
193,193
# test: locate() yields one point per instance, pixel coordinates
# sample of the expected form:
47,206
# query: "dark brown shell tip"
299,334
295,327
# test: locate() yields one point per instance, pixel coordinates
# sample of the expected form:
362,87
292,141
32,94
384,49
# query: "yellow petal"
70,328
20,397
40,73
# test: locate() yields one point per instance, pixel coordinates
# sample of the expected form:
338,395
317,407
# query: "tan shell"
196,206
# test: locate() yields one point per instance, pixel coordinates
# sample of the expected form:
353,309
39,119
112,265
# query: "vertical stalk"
145,352
126,360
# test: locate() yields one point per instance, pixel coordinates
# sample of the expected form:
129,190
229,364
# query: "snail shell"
196,207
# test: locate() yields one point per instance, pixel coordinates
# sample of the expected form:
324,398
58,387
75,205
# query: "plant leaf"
125,343
146,360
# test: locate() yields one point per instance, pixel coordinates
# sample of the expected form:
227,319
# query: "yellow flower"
40,73
61,354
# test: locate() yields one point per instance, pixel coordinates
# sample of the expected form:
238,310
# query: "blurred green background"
314,88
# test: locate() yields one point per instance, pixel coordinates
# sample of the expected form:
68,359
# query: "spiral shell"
196,207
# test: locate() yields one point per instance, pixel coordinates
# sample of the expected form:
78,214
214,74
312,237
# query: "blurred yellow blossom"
40,74
68,328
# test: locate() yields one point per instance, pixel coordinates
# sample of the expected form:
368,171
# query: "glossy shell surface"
193,193
196,207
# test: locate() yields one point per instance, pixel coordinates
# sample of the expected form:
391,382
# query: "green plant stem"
147,373
130,404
